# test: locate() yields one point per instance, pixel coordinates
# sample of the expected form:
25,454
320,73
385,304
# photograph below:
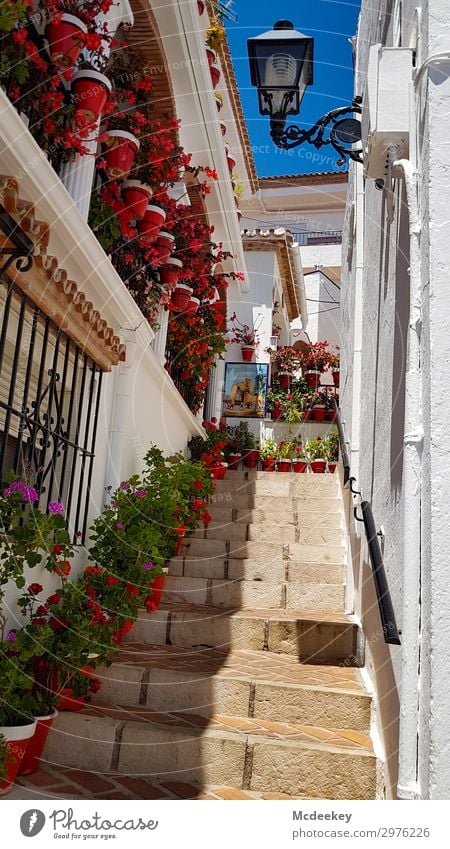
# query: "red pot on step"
119,153
158,585
136,196
18,738
170,272
64,41
268,465
299,466
218,472
247,352
319,412
33,753
285,379
307,415
331,415
283,466
312,378
91,91
335,375
181,296
67,700
165,245
251,458
332,468
150,225
318,466
276,413
233,461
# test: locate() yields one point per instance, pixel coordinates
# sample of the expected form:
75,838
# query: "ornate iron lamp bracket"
21,250
331,129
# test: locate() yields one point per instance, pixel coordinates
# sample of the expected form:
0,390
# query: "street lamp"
281,68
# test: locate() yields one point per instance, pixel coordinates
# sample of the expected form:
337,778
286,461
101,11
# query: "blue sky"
331,23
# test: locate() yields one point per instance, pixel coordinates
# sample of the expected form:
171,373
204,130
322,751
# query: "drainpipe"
408,785
300,284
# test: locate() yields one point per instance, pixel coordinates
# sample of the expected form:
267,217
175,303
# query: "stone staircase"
246,679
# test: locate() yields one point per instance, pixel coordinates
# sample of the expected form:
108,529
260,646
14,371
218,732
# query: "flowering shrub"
242,334
286,359
315,357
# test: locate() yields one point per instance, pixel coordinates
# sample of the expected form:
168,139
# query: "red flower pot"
18,738
268,465
299,466
219,103
276,413
233,461
193,305
335,376
332,468
319,412
64,41
67,700
170,272
120,149
247,352
218,472
136,196
33,753
283,465
285,379
180,297
158,586
211,56
312,379
202,347
251,458
307,415
231,163
150,225
214,70
165,245
331,415
91,90
223,128
318,466
200,7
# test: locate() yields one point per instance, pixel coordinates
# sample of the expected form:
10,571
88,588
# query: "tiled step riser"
251,594
315,642
240,532
265,552
165,690
165,752
254,570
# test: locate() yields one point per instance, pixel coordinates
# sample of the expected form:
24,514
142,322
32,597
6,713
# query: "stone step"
241,752
257,570
303,503
235,594
315,637
238,531
243,683
255,516
266,552
284,485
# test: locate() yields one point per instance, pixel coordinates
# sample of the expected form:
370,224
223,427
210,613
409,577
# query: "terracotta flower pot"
276,413
219,102
193,305
64,42
268,465
299,466
91,90
251,458
312,378
307,415
180,297
165,245
285,379
211,56
150,225
200,7
136,196
170,272
247,352
331,415
332,468
214,70
218,472
120,149
318,466
233,461
67,700
158,586
33,753
231,163
283,465
18,738
335,376
223,129
319,412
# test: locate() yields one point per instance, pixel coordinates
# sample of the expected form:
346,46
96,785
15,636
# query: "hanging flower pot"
136,196
335,376
319,412
165,245
218,471
251,458
268,465
219,100
180,297
119,153
285,379
200,7
214,70
223,129
312,378
33,753
158,586
283,465
150,225
170,272
193,305
233,461
90,90
17,740
211,56
331,415
64,43
307,415
231,163
318,466
202,347
299,466
247,352
332,468
276,413
67,700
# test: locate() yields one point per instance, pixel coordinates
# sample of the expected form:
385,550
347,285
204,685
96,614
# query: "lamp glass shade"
281,69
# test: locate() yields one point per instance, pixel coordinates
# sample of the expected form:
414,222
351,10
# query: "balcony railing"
324,237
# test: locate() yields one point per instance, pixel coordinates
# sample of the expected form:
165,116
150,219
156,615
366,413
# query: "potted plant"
275,401
319,407
333,364
292,409
299,458
287,361
219,100
332,450
151,223
63,33
245,443
119,151
314,360
136,197
284,454
165,246
90,90
330,406
244,336
215,36
170,272
268,455
17,707
316,450
181,296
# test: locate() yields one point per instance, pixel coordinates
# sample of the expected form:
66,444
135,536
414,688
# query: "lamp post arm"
342,133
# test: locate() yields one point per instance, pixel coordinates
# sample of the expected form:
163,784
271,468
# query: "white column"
120,414
160,341
215,390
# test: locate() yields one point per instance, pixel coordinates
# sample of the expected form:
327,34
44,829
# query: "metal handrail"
385,606
319,237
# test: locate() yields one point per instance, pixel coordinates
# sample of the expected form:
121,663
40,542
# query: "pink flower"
56,508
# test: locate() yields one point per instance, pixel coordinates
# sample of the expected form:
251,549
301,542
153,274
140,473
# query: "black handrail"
385,607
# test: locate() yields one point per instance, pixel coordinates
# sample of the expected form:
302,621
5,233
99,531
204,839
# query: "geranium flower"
35,589
56,508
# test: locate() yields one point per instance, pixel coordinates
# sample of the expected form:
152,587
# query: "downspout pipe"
408,785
